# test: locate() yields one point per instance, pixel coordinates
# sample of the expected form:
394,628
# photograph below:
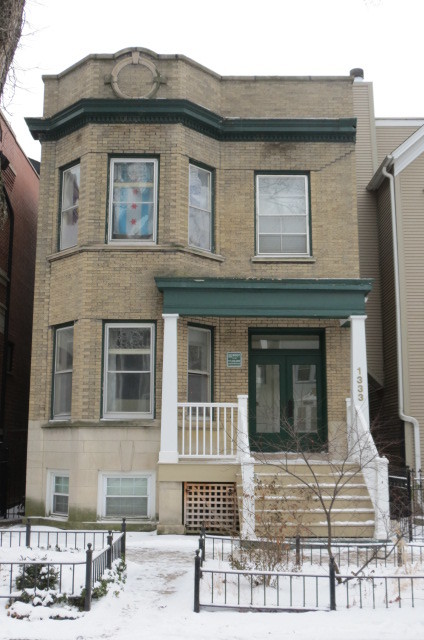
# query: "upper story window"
63,365
133,200
129,373
70,187
200,208
282,215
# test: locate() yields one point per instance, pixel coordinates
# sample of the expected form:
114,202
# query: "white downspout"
402,415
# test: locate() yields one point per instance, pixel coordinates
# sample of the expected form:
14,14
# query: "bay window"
128,370
200,208
70,187
133,200
62,378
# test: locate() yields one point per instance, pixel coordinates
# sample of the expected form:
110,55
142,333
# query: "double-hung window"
62,379
133,200
70,187
200,208
282,215
199,364
59,494
128,371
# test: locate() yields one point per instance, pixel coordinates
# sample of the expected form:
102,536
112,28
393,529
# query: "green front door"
286,395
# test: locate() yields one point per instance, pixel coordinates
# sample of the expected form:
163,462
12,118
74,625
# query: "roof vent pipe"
357,74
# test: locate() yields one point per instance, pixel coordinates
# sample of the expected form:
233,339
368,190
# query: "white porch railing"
208,429
363,451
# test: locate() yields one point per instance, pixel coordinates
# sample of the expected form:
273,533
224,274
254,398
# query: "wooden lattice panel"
213,505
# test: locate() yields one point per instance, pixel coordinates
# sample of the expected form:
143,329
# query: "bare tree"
11,24
307,489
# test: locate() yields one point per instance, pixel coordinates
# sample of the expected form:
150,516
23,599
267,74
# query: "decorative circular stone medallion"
144,87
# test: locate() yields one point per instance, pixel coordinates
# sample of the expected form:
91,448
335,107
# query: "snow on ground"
157,602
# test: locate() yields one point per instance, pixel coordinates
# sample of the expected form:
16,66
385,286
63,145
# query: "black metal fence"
63,577
406,500
299,551
39,538
245,589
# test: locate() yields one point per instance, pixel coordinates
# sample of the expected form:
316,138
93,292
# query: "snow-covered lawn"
157,602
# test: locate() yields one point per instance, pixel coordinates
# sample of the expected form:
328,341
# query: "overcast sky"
231,37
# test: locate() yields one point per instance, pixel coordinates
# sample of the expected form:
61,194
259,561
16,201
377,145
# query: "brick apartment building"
199,301
18,232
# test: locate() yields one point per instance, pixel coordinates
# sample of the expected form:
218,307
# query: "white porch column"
358,367
169,423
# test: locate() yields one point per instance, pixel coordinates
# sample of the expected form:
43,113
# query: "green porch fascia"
194,116
300,298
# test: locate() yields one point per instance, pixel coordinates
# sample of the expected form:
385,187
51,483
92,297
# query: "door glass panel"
304,398
267,398
295,341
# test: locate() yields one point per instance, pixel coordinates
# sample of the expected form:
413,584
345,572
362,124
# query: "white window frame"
51,476
115,415
282,254
67,415
206,373
151,493
133,241
63,210
208,211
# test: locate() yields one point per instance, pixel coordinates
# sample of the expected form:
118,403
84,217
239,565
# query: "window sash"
60,495
69,207
126,496
128,392
199,377
200,208
63,368
282,211
133,200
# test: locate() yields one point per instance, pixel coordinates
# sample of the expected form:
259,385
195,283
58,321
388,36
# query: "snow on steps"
286,504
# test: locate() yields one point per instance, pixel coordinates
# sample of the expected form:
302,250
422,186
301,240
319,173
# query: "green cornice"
226,297
154,111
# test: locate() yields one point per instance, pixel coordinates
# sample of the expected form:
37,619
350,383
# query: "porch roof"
294,298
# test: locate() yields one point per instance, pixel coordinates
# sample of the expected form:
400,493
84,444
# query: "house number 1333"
359,385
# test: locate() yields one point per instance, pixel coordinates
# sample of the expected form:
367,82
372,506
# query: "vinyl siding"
366,164
390,137
390,429
410,185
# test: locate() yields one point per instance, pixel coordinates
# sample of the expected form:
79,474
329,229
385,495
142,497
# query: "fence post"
197,573
332,576
409,489
88,578
109,550
124,539
28,533
298,550
203,534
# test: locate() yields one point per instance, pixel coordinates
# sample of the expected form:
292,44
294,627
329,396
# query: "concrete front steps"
286,501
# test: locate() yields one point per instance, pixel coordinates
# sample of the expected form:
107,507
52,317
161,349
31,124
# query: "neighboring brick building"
18,231
197,242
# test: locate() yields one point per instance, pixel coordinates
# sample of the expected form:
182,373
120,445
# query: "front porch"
222,442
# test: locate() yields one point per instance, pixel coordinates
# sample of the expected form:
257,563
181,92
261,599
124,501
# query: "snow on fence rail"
40,538
245,588
300,550
63,576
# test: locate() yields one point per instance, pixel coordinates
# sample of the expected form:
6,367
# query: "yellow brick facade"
96,282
